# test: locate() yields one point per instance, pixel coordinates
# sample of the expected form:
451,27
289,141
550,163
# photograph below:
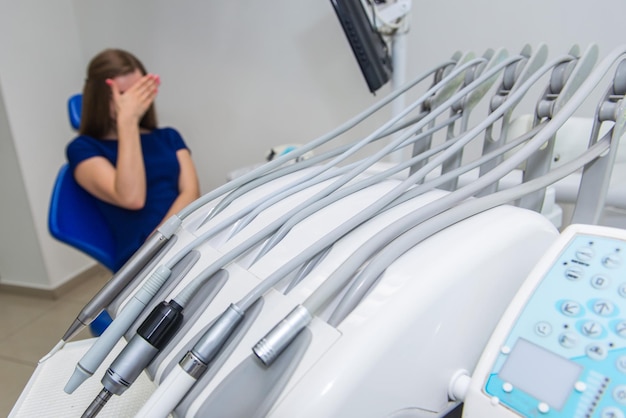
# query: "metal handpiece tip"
74,329
97,404
52,352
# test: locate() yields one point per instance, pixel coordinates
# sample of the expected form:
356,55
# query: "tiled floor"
30,327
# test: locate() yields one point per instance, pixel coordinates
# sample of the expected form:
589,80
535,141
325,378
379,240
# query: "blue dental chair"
75,219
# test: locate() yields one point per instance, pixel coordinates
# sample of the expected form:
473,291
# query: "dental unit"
113,333
339,285
181,299
131,270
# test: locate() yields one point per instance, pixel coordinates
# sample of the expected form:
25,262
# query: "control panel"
565,351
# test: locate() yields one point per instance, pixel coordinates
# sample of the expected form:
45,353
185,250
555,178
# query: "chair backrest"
74,110
75,220
74,217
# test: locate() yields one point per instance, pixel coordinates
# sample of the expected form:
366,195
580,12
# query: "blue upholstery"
75,220
74,217
74,109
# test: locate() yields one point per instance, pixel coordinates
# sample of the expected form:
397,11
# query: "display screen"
540,373
367,43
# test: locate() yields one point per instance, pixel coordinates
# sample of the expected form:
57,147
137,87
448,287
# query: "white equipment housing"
430,314
435,265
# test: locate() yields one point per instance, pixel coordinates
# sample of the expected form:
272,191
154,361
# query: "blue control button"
620,329
622,290
603,307
591,329
570,308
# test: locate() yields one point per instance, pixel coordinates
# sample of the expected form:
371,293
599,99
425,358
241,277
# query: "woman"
140,173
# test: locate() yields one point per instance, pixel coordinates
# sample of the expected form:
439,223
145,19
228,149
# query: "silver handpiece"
118,282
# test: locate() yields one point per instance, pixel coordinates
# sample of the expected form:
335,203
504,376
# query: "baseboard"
57,292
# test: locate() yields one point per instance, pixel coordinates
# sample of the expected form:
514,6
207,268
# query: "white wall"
238,77
40,57
17,229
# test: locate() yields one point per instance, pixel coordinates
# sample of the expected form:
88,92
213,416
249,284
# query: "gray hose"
415,232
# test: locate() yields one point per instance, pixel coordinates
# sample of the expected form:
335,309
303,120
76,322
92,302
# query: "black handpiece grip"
162,324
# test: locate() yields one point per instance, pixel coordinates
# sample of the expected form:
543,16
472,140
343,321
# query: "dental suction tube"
342,128
368,161
476,90
393,249
188,292
271,280
565,109
270,346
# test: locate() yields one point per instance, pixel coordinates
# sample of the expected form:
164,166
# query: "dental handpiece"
93,358
192,366
114,286
152,335
118,282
